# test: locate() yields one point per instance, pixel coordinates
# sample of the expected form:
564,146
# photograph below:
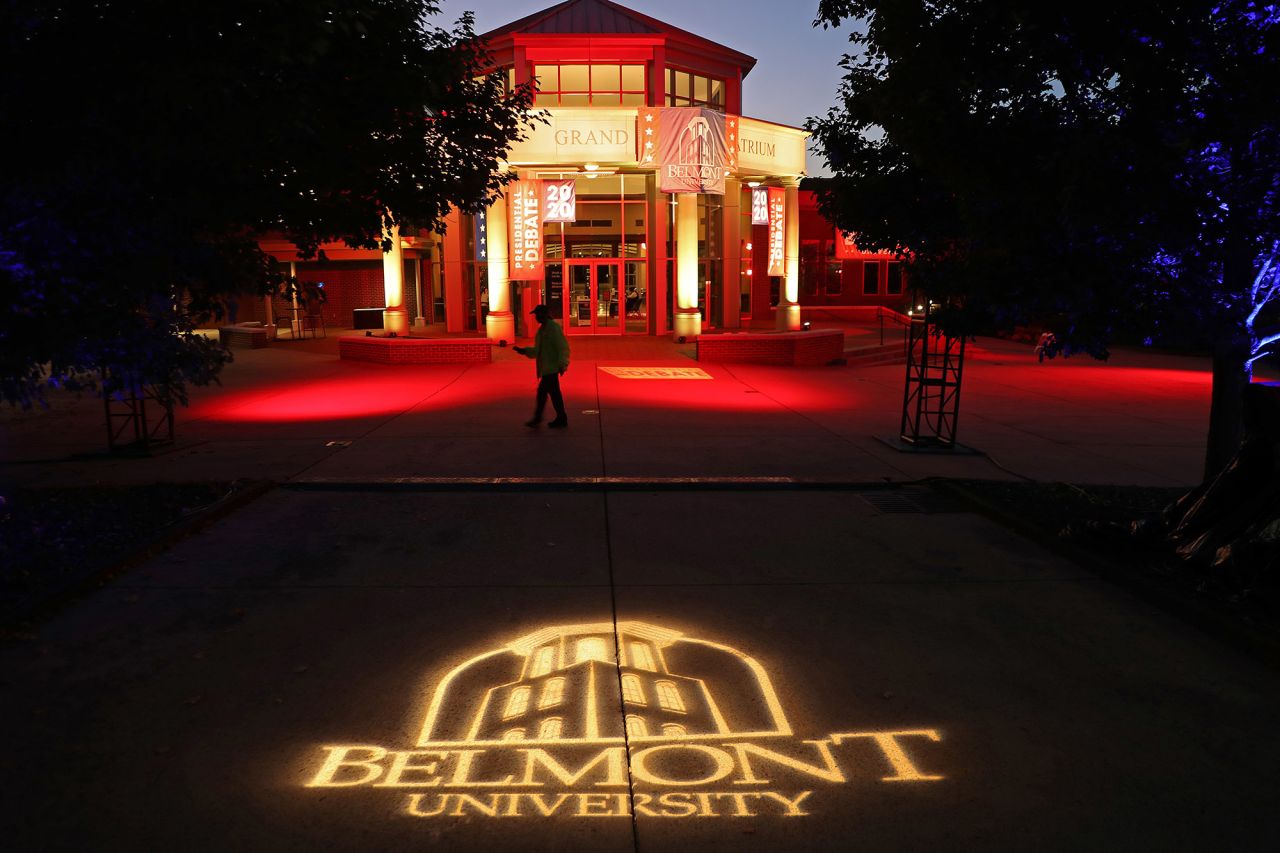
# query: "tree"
1113,167
152,143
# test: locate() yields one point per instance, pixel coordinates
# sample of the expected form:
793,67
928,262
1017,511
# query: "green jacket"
550,349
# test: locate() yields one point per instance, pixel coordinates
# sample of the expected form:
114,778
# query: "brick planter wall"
793,349
414,350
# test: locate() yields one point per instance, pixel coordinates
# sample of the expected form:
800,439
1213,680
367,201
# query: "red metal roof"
603,17
595,17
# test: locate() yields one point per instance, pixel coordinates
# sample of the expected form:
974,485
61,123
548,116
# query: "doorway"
591,297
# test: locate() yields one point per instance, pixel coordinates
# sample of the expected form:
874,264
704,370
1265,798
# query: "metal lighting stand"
931,398
132,424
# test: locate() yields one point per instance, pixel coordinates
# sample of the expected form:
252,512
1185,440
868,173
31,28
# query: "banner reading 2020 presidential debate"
687,145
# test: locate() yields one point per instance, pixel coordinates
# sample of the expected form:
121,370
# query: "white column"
789,300
688,321
500,323
394,317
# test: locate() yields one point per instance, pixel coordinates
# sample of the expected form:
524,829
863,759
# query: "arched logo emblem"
613,719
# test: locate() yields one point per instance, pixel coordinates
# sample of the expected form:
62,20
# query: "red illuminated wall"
817,235
348,285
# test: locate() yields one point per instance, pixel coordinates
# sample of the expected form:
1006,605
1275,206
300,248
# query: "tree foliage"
151,143
1111,168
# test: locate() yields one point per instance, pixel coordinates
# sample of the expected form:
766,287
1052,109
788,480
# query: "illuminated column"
500,323
394,317
731,254
451,258
789,299
688,321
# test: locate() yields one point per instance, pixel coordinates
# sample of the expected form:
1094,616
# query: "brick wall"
415,350
800,349
349,285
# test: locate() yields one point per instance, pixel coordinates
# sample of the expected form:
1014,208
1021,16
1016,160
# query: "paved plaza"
388,651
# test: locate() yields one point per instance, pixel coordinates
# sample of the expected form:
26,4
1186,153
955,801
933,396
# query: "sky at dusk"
795,77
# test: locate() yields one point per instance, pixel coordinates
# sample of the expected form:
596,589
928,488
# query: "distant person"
550,352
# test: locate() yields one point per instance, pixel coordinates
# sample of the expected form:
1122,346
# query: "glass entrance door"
591,298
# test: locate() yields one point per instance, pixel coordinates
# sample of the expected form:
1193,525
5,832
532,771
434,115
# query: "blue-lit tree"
1110,168
150,143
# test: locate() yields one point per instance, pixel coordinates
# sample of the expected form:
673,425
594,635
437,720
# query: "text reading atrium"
647,204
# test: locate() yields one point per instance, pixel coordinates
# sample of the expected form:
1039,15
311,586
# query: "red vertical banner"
559,200
524,206
647,137
731,143
777,231
845,245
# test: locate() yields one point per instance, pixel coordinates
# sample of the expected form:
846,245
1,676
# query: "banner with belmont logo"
524,204
689,146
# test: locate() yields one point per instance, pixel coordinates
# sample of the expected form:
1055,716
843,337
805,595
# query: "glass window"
514,734
641,657
575,78
684,85
552,693
633,78
694,90
636,726
632,691
673,730
550,729
544,660
606,78
580,85
834,283
669,697
548,77
517,703
871,278
893,278
591,648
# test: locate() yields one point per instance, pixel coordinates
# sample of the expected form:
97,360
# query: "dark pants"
549,386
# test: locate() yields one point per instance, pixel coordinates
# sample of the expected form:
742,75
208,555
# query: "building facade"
647,203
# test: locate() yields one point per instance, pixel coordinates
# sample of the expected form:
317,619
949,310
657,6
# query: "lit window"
514,734
577,85
669,697
641,657
591,648
631,690
694,90
517,703
636,726
552,693
550,729
544,660
673,730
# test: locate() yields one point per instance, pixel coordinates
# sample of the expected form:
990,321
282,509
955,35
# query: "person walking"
550,352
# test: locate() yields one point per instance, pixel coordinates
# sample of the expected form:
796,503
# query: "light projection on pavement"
533,730
657,372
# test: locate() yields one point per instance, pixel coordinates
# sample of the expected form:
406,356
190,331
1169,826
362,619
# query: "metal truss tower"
931,398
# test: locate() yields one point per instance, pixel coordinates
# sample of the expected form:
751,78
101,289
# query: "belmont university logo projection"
532,730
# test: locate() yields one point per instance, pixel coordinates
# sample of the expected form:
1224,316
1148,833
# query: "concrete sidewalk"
1138,419
347,664
303,676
